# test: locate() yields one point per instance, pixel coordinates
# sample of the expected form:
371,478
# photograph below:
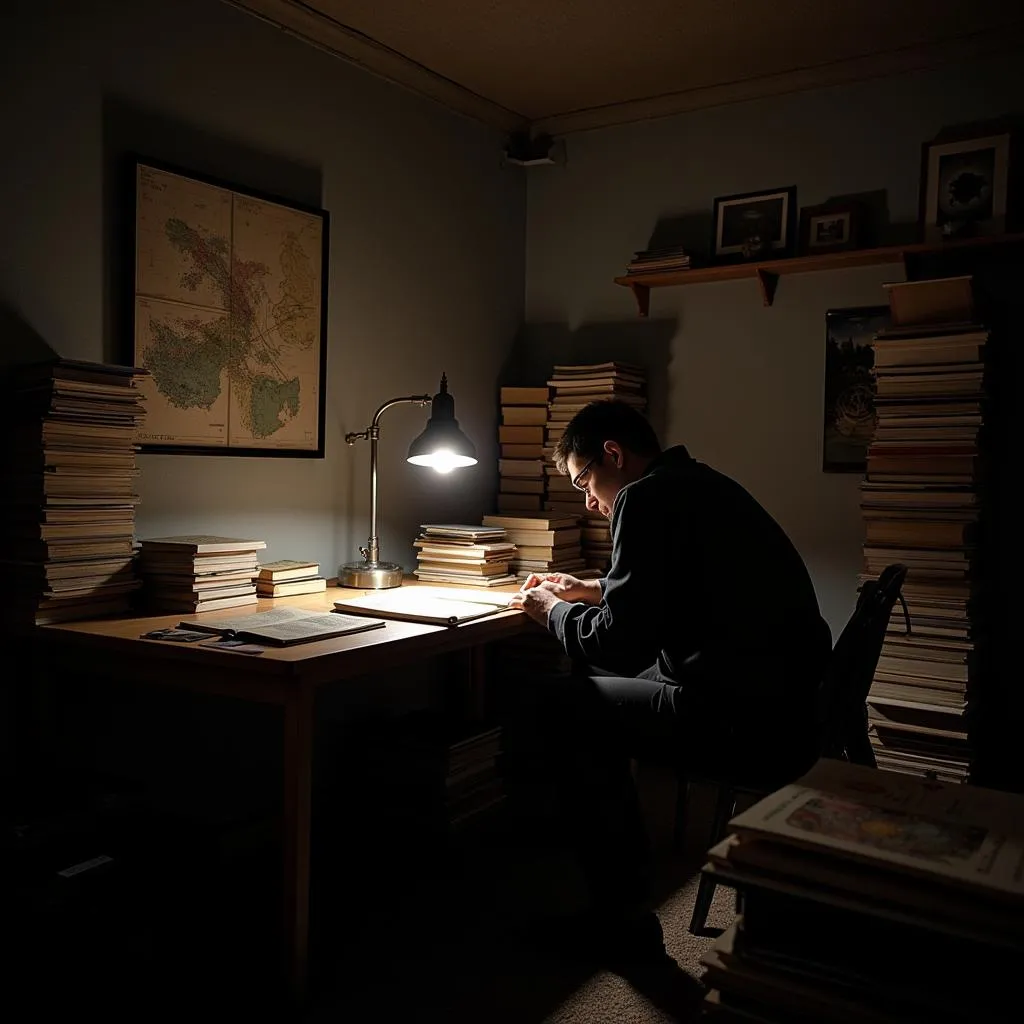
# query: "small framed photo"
830,227
849,386
965,187
754,225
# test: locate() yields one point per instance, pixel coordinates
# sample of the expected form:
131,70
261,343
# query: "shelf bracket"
768,282
642,294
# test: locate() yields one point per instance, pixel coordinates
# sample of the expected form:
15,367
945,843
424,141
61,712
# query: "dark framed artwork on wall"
229,315
849,421
965,187
754,225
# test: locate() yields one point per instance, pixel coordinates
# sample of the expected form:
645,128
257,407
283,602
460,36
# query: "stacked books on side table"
521,463
287,577
475,556
199,573
921,502
69,490
545,542
574,387
871,896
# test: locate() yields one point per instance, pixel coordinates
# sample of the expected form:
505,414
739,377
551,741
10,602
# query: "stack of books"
199,573
868,895
573,388
920,502
475,556
287,577
659,260
521,462
69,483
544,542
473,783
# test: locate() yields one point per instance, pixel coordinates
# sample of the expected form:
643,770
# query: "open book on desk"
440,606
283,626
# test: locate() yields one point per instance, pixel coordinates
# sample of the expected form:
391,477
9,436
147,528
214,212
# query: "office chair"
841,720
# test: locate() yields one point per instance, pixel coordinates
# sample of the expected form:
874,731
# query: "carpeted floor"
470,947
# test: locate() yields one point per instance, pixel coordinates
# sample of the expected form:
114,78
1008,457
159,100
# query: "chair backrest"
851,669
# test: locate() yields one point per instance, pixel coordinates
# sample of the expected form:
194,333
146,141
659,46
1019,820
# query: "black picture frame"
752,226
251,348
849,408
966,188
830,227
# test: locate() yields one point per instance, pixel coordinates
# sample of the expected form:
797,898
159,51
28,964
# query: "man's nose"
591,502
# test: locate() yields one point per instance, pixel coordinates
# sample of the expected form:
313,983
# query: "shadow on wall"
130,132
539,347
22,343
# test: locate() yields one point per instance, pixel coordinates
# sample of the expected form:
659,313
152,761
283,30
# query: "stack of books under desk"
871,896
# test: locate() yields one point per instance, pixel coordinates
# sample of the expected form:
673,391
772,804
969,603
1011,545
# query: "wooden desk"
288,677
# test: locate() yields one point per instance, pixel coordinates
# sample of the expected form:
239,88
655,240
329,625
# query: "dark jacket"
706,590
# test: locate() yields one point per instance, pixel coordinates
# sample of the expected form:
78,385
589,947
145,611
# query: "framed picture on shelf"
229,315
849,422
830,227
965,187
754,225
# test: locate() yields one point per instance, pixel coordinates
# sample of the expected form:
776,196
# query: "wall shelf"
767,272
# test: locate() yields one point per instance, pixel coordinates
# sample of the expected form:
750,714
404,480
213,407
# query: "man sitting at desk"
702,647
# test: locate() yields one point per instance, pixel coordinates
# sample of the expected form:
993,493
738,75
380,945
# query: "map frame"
179,445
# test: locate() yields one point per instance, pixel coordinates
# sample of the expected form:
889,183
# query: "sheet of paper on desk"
442,606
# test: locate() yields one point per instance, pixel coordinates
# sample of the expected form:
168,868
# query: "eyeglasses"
576,480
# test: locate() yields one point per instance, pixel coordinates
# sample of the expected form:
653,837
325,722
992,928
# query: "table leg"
298,761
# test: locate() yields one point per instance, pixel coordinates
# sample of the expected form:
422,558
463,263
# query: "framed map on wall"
230,315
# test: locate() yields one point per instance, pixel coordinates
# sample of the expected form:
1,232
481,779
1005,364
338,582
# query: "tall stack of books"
524,412
473,783
858,890
288,577
199,573
659,260
545,542
69,483
920,502
473,556
573,388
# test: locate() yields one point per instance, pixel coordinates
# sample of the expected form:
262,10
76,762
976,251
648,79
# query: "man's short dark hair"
605,420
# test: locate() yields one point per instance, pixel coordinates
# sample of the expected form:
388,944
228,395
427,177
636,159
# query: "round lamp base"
370,575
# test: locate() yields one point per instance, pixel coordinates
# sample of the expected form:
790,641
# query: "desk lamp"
442,445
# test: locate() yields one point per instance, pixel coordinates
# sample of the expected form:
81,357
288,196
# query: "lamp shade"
442,445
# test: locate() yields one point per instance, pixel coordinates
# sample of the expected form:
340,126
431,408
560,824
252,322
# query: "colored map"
227,316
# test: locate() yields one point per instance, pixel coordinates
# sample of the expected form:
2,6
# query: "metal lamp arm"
372,433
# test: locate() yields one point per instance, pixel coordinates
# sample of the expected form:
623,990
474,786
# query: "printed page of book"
284,625
967,834
444,606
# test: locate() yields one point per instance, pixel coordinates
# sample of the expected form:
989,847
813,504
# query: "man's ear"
615,454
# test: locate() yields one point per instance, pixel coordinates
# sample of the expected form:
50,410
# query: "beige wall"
741,385
426,256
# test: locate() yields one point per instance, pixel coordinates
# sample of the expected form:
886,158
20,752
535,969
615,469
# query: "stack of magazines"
871,895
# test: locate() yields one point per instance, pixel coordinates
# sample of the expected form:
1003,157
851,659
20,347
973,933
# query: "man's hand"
536,602
567,587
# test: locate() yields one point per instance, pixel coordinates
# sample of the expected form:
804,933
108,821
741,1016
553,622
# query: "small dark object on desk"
185,636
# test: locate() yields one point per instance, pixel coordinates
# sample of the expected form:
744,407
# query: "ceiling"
565,65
